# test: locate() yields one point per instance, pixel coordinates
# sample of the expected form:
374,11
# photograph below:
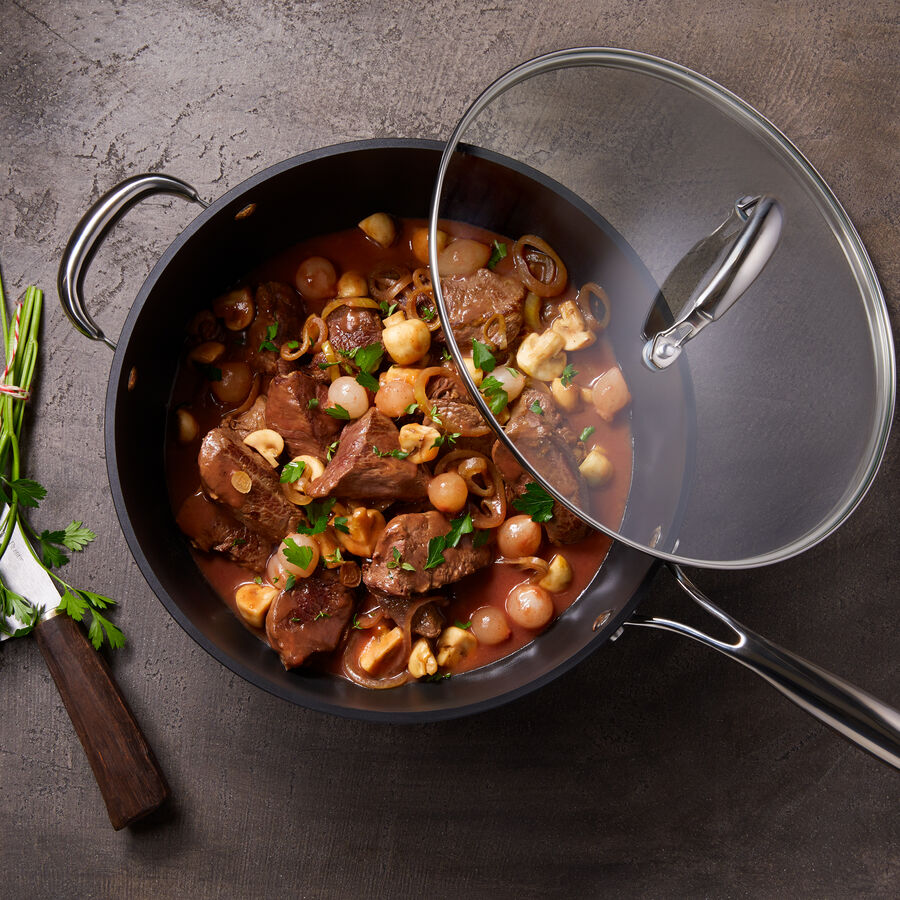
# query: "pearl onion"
346,391
448,492
512,380
529,605
394,397
519,536
489,625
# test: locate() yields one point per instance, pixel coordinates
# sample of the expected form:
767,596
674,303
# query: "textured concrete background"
653,769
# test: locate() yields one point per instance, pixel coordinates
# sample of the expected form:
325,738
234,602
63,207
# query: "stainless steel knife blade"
24,575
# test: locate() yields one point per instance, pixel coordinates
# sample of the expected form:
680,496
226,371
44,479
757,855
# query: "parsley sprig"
437,545
18,615
535,502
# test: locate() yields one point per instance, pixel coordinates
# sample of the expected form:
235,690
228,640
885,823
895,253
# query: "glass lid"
677,334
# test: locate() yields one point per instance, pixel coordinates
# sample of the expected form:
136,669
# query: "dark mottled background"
655,768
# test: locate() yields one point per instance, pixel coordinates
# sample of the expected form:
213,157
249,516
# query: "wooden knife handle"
126,770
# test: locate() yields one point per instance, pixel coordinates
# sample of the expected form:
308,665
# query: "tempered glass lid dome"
747,349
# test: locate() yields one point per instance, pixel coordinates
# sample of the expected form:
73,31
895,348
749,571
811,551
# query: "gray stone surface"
653,769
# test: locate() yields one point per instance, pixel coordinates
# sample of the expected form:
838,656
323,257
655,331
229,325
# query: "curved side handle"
728,261
89,232
858,716
126,770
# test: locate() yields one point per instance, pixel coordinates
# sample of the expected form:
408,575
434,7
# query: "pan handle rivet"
601,620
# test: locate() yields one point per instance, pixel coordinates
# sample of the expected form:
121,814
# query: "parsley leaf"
437,545
340,523
313,403
438,676
317,516
396,561
397,454
290,581
292,345
268,344
435,552
464,625
293,471
332,449
445,353
77,537
369,358
482,357
356,621
257,580
435,416
586,433
321,615
569,373
498,253
51,554
99,626
297,555
535,502
29,492
386,310
411,408
337,412
428,313
536,408
495,393
367,381
239,542
335,557
480,538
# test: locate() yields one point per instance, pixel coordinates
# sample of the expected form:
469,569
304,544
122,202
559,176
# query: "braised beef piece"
348,329
249,421
409,534
473,299
427,619
306,429
549,443
276,304
358,473
454,406
210,527
264,508
309,618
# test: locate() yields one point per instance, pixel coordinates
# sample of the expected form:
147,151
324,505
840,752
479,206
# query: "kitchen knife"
126,770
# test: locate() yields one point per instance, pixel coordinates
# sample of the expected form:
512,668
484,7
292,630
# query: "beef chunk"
549,444
249,421
348,329
357,473
210,527
276,304
472,300
309,618
409,534
264,508
305,430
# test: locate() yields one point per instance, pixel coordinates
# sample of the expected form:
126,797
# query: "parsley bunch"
20,346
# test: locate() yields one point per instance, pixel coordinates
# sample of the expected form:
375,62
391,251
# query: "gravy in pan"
198,412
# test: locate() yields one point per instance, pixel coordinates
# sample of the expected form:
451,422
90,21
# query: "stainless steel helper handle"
728,261
89,232
858,716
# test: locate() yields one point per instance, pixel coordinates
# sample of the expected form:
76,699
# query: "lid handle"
740,259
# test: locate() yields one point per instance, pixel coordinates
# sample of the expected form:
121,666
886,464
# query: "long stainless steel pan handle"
90,231
858,716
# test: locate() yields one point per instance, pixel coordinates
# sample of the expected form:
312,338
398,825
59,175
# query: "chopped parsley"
387,310
411,408
335,557
367,358
438,676
297,555
446,439
210,373
482,358
535,502
356,621
445,353
536,408
292,345
464,625
239,542
397,454
498,253
428,313
337,412
313,403
367,380
321,615
480,538
317,516
269,342
586,433
435,417
437,545
332,449
340,523
396,561
568,375
257,580
495,393
290,581
292,472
